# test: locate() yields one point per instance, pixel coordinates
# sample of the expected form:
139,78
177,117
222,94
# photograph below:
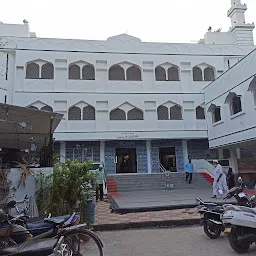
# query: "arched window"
216,114
162,113
236,105
89,113
135,114
173,74
200,113
32,71
74,113
117,114
32,107
116,73
88,72
160,73
47,108
209,74
197,74
133,73
175,113
74,72
252,88
47,71
254,96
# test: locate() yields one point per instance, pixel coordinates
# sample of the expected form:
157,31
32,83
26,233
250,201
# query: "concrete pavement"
189,241
136,201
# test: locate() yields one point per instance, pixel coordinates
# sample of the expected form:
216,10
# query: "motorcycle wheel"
211,233
237,247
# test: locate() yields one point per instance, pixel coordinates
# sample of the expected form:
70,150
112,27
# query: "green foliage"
44,192
4,183
63,191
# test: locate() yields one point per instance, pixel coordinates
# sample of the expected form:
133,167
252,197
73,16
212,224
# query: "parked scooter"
211,213
240,226
43,247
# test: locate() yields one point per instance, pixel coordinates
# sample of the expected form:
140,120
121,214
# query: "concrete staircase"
133,182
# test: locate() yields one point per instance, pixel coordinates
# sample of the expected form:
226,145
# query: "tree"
63,191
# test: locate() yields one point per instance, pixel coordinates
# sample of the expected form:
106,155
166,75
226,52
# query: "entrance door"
167,158
126,160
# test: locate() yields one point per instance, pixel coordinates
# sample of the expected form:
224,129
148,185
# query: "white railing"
203,165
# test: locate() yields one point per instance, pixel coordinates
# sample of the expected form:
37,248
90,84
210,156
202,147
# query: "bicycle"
79,239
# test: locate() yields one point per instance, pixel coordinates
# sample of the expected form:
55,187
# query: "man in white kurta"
220,183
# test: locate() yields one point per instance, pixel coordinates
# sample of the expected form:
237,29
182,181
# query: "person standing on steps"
100,177
220,182
189,169
231,179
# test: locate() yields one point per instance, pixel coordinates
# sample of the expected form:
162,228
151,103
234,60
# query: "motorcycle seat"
39,225
209,204
42,247
55,221
247,209
218,209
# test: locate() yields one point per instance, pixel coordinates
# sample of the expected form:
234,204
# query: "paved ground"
165,242
163,198
104,216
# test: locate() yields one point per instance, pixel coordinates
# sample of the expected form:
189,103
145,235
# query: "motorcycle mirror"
199,201
240,180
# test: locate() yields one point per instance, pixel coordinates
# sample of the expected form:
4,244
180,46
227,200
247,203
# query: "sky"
175,21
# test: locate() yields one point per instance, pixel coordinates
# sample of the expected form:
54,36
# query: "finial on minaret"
235,2
243,32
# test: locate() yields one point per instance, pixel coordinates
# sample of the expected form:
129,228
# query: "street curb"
146,224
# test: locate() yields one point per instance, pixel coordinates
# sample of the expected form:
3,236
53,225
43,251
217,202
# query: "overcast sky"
152,20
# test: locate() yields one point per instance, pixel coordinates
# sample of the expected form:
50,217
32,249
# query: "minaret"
243,33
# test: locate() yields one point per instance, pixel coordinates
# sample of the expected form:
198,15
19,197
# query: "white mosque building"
124,97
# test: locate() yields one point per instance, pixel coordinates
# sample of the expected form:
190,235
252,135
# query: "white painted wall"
3,82
61,93
239,127
30,188
19,30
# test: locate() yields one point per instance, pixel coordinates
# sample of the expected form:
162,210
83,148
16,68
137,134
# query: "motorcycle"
240,226
43,247
211,213
13,234
42,227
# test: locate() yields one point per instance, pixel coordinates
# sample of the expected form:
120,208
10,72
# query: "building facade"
129,104
231,115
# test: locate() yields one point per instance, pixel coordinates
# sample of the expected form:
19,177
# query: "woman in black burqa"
230,179
125,166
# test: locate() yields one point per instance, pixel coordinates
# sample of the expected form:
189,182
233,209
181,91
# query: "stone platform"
159,200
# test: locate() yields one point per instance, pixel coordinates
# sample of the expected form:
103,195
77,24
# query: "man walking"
100,179
220,182
189,169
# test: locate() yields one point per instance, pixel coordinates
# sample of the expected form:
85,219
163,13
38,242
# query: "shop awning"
20,126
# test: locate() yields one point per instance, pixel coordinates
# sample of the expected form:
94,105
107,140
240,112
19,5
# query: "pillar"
102,151
148,146
62,151
185,150
233,160
221,153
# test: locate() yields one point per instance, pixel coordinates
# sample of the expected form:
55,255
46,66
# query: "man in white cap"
100,180
220,182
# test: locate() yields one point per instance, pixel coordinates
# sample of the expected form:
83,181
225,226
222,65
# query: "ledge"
218,123
237,115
